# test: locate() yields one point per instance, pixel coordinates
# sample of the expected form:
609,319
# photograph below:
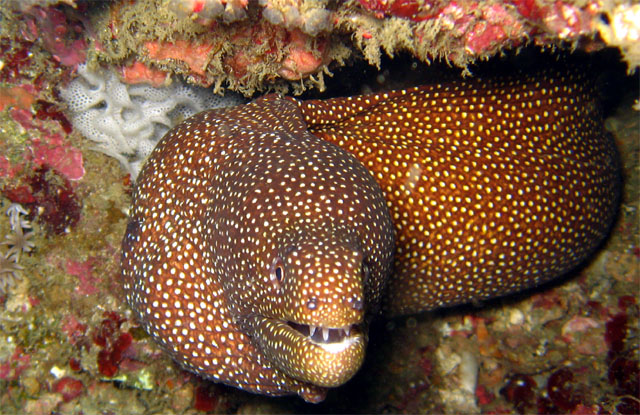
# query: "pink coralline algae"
76,332
49,146
194,55
139,73
496,26
63,39
408,9
7,169
12,368
569,21
302,60
585,334
479,18
84,272
17,96
53,151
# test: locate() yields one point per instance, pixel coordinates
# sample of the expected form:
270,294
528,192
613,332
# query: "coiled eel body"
258,248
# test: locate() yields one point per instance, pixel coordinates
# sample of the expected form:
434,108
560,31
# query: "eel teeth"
319,334
347,331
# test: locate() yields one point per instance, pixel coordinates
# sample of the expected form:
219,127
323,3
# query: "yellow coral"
623,30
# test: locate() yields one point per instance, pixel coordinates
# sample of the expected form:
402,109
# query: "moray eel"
263,238
495,185
256,252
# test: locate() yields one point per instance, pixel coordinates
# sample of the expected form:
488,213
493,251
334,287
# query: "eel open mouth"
323,335
320,355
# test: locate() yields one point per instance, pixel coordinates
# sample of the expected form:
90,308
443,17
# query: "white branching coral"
19,242
127,121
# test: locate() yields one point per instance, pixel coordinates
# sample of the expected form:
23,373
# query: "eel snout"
316,333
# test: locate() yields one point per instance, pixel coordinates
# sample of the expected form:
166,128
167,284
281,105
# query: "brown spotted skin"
256,252
493,185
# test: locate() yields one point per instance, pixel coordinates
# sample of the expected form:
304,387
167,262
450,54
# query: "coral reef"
9,270
54,198
18,242
68,343
126,121
285,45
619,27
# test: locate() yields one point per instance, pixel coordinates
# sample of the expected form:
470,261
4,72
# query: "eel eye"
276,272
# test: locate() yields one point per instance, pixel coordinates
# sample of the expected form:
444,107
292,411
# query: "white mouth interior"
331,339
325,335
338,347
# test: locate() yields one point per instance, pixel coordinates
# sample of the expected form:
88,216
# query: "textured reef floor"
68,343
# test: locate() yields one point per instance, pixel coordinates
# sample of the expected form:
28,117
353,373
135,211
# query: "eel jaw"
333,340
304,353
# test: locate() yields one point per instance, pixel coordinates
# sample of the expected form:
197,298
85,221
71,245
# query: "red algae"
561,390
110,357
17,57
69,387
75,365
616,332
49,111
520,391
113,343
205,398
624,375
107,329
50,198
